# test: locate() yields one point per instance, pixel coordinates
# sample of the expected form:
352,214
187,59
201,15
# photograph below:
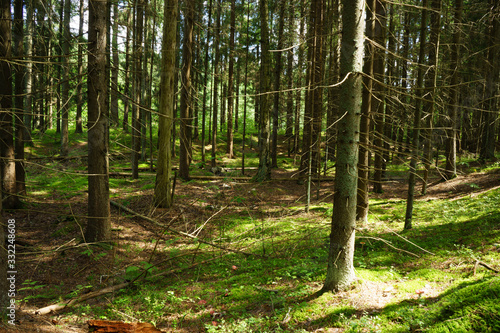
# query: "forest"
250,166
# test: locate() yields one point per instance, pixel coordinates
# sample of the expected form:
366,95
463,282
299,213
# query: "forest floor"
55,266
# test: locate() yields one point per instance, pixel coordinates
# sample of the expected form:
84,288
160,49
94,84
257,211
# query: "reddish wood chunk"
110,326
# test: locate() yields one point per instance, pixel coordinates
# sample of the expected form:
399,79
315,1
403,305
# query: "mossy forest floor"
239,256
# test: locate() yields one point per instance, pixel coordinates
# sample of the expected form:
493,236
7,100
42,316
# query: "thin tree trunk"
126,88
186,101
216,85
137,107
417,120
65,83
230,89
205,84
19,98
264,170
115,121
451,142
366,114
79,94
277,84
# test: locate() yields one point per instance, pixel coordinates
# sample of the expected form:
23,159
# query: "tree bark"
163,188
230,83
7,151
417,120
264,170
451,142
340,272
65,83
79,85
186,101
99,224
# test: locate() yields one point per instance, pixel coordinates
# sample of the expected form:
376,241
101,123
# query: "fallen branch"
480,263
108,290
406,239
180,233
390,245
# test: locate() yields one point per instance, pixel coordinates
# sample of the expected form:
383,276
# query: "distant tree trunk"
379,100
289,74
79,95
492,68
230,89
137,107
417,119
340,272
245,93
163,188
216,85
99,224
451,142
114,69
126,88
277,84
19,125
65,83
264,170
431,86
7,151
28,112
186,101
205,83
366,114
300,57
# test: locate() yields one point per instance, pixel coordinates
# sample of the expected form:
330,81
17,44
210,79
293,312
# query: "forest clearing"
249,166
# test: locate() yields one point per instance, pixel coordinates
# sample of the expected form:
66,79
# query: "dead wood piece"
480,263
110,326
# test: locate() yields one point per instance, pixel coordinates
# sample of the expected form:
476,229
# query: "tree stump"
109,326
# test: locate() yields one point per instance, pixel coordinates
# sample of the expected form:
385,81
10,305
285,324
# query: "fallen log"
111,326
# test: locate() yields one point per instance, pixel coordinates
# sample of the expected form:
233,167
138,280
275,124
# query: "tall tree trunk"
205,84
19,125
126,88
451,142
137,107
431,86
230,89
186,101
300,57
264,170
163,188
340,272
28,112
379,100
114,69
366,114
289,74
216,85
277,84
492,68
98,224
79,85
65,83
417,119
245,93
7,151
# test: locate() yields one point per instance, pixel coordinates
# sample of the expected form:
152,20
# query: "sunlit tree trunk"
137,106
215,108
451,142
230,83
65,83
340,272
163,188
186,101
79,85
98,223
113,109
277,84
366,115
417,119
